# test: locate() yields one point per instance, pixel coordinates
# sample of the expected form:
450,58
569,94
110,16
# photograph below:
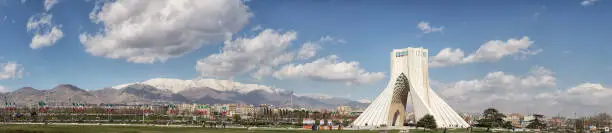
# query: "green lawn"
475,130
135,129
125,129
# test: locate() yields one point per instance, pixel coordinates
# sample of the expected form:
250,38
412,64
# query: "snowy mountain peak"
178,85
316,96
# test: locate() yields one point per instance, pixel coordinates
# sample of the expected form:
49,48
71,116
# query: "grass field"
475,130
132,129
136,129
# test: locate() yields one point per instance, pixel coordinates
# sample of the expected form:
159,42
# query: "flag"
108,108
202,109
171,108
43,106
9,106
147,108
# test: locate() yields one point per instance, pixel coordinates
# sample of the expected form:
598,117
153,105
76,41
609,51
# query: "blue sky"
570,38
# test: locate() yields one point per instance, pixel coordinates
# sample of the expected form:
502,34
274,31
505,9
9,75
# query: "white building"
389,107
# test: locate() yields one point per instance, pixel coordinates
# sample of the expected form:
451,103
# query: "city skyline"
543,56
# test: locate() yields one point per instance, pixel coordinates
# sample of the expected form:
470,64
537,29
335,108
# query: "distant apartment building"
514,119
557,122
526,120
344,110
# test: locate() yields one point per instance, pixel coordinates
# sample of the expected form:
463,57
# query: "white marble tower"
389,107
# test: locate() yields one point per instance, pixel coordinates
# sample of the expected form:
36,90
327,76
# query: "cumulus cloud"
45,32
148,31
11,70
259,55
588,2
426,28
497,89
3,89
591,97
263,52
49,4
535,92
330,69
257,28
491,51
309,49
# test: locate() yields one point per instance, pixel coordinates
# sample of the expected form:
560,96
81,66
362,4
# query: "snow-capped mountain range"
165,90
178,85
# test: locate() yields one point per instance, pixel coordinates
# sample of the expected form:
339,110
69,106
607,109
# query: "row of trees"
491,118
263,116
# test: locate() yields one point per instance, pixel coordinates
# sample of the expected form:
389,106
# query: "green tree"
427,122
346,122
602,120
579,125
508,125
491,119
236,118
536,123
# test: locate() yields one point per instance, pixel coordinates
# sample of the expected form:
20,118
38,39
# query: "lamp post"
575,122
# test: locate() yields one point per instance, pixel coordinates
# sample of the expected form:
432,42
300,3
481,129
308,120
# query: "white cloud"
4,89
330,69
45,32
315,96
147,31
262,52
535,92
591,97
330,39
491,51
309,49
588,2
257,28
497,88
364,101
259,55
49,4
11,70
178,85
426,28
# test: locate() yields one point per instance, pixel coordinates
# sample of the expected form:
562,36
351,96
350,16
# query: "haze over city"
547,56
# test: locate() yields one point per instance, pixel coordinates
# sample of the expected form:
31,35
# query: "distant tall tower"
389,108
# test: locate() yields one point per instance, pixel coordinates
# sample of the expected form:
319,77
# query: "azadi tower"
409,84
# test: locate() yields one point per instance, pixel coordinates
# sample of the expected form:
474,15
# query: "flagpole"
70,101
